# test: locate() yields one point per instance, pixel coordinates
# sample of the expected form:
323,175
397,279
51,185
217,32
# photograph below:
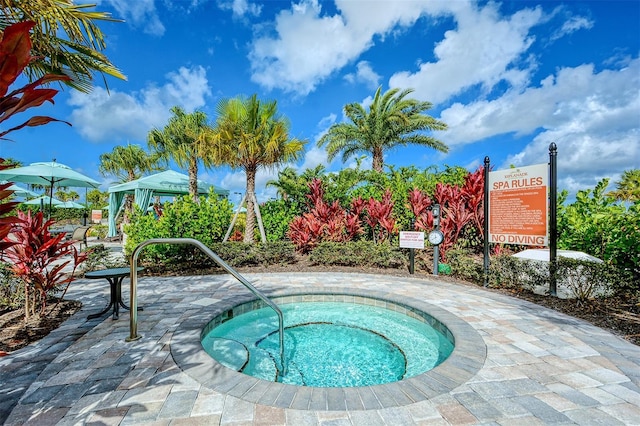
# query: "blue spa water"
328,344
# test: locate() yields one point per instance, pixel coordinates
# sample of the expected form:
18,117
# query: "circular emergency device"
435,237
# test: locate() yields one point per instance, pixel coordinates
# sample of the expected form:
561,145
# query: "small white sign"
411,239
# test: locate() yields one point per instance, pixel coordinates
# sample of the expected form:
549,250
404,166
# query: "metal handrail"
133,312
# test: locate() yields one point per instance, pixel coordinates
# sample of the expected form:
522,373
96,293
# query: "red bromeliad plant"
37,259
15,48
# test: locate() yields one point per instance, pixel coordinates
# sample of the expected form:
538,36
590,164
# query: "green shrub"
235,254
464,266
238,254
511,272
597,224
358,253
98,231
206,221
586,279
276,216
583,279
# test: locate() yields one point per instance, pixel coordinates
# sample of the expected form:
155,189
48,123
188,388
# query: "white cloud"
592,117
100,116
571,25
484,50
307,46
139,13
241,8
574,99
313,158
364,74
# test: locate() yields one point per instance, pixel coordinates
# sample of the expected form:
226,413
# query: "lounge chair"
80,234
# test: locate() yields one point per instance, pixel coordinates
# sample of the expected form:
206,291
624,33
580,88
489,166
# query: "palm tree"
628,187
64,195
390,121
127,163
184,141
78,54
97,199
290,186
250,135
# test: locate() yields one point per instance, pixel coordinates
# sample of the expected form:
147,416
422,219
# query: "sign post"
553,218
485,228
411,240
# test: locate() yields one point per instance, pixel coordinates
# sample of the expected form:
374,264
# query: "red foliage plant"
37,259
419,204
331,222
6,222
25,240
381,213
323,222
460,207
15,48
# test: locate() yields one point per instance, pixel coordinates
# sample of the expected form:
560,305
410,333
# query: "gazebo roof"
165,184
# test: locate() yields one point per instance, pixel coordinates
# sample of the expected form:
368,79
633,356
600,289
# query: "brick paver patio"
535,366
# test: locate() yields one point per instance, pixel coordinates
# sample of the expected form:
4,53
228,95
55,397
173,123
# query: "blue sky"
507,77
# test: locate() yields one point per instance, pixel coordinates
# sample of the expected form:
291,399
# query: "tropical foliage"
597,224
205,220
66,39
97,199
325,221
183,140
391,120
251,135
36,259
628,187
128,163
25,240
15,48
6,221
66,195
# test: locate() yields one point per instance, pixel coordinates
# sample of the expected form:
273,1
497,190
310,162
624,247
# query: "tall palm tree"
628,187
66,39
127,163
251,135
184,141
391,120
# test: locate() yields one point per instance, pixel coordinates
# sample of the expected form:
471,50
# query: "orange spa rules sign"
518,205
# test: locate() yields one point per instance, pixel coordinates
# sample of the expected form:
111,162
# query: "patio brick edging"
466,360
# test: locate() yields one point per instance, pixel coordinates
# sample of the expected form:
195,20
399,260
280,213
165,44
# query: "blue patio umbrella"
42,200
19,191
48,174
69,205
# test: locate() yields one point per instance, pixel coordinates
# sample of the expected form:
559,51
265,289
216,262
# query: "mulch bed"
15,333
